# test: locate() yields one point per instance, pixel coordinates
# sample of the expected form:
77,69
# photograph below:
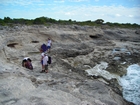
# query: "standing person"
45,63
49,44
41,60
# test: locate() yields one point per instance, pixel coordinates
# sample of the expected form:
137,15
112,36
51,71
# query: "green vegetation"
47,21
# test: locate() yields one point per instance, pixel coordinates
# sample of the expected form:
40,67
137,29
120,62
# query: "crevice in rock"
95,36
34,41
12,45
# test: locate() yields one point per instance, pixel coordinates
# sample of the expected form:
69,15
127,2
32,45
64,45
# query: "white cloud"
130,16
59,1
118,15
69,13
107,13
20,2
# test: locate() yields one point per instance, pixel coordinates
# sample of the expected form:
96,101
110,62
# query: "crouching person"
27,63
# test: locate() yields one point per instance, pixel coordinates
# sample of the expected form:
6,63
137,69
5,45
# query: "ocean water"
131,84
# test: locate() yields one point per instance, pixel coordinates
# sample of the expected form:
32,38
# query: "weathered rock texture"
75,49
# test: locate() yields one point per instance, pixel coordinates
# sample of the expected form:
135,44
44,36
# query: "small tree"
99,21
7,20
2,22
40,20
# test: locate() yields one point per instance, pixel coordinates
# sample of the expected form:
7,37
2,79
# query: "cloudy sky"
120,11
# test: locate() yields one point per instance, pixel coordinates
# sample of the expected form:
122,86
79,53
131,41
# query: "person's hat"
45,54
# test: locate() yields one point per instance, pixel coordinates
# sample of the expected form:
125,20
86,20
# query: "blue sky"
120,11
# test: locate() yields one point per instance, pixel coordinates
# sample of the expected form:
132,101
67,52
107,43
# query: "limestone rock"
74,50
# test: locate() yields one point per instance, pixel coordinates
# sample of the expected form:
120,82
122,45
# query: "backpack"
49,60
44,47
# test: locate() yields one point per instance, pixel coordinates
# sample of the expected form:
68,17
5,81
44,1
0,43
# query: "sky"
115,11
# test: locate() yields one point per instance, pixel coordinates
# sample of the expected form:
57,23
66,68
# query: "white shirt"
49,43
42,54
45,59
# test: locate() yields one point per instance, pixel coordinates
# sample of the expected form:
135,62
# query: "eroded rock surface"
75,50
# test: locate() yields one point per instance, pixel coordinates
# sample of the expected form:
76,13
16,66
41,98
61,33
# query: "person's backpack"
49,60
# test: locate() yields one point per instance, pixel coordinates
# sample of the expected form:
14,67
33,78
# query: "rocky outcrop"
77,75
137,31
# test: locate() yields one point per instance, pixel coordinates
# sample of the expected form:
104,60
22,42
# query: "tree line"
46,21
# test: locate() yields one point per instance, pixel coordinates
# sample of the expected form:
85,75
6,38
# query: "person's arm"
41,58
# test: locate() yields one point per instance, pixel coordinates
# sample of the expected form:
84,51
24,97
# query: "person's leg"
46,68
48,48
43,67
